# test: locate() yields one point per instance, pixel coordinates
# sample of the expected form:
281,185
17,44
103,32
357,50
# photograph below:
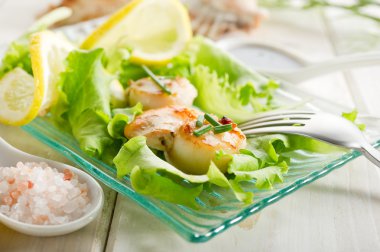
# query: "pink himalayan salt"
38,194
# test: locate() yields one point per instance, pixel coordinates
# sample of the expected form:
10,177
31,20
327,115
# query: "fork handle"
328,66
371,153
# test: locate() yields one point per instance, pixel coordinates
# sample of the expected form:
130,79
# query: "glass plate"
219,210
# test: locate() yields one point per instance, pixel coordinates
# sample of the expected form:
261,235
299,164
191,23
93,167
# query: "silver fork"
323,126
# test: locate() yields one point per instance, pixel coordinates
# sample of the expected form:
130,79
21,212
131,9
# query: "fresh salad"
146,97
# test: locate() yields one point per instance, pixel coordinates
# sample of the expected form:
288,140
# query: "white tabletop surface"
340,212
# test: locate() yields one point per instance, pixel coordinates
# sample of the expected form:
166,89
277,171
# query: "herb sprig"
211,120
214,125
156,80
200,120
203,130
222,128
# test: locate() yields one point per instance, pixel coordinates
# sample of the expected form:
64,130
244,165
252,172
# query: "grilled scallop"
152,96
170,129
159,126
193,154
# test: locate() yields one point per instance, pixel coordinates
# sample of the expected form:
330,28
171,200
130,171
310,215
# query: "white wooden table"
340,212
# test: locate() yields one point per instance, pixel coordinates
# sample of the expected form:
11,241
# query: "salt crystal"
4,209
3,186
52,188
70,207
38,194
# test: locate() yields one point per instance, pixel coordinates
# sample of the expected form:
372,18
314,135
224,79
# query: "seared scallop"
171,129
193,154
152,96
159,126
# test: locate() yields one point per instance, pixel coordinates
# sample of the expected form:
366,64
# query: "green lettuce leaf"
267,148
151,175
265,177
17,54
217,96
179,66
85,101
217,177
122,117
297,142
148,182
246,168
136,153
351,116
260,100
206,53
243,162
130,72
90,130
225,87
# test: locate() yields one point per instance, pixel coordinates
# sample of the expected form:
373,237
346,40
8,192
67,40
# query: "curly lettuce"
155,177
84,104
351,116
150,175
121,118
17,55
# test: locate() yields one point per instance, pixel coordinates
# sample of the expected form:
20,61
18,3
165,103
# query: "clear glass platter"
218,210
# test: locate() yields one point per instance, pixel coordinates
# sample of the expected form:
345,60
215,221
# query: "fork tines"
277,116
276,119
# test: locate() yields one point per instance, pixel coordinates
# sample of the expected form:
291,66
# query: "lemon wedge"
23,97
20,99
48,51
156,31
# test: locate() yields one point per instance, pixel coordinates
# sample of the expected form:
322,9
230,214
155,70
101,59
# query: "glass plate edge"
178,227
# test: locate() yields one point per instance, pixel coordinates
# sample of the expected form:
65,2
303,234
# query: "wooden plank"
305,33
2,2
351,34
336,213
90,238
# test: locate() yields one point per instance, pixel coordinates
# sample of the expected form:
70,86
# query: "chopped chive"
222,128
202,130
211,120
155,79
200,120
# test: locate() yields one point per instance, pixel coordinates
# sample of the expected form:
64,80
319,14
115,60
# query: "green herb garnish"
200,120
202,130
222,128
211,120
156,80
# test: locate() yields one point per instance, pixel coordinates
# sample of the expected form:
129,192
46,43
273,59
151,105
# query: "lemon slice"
23,97
156,31
48,52
20,99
